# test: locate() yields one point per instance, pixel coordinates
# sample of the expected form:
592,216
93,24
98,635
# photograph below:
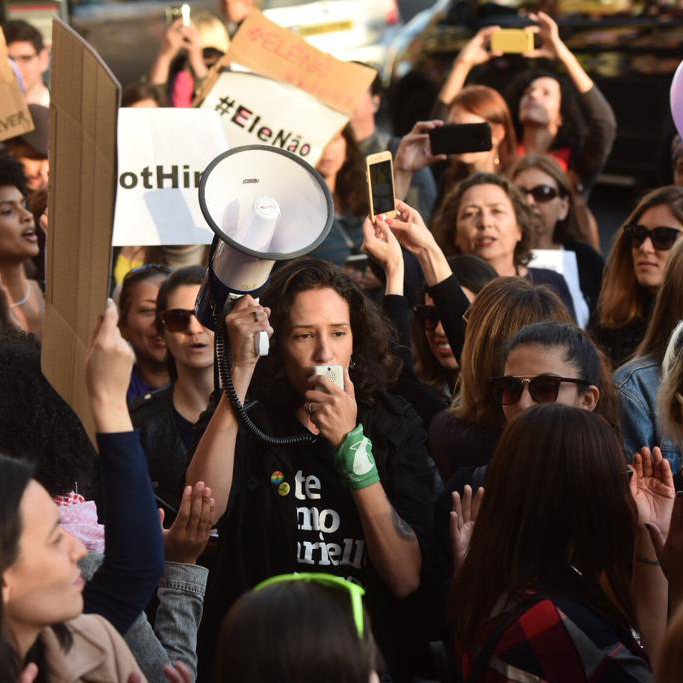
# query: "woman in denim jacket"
638,380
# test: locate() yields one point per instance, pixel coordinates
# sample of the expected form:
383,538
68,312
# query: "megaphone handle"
261,343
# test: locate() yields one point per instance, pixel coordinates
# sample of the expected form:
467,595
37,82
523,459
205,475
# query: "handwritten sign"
270,50
299,123
162,154
15,118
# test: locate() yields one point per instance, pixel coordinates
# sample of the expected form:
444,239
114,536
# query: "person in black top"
634,272
354,499
551,197
166,417
486,215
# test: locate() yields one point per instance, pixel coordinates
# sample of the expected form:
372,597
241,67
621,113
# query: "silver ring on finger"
309,408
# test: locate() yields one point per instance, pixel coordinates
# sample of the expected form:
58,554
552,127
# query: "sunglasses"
541,193
427,316
662,238
355,591
542,388
176,319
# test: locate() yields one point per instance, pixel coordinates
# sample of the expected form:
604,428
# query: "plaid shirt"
561,641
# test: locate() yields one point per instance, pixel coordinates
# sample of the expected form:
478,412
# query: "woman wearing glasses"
551,197
166,417
634,272
638,380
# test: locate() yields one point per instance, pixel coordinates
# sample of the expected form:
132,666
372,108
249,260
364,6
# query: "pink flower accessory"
79,518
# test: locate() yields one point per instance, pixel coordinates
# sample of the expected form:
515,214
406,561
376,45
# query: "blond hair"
211,31
669,397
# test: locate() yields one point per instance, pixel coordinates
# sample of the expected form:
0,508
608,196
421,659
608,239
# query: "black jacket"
167,456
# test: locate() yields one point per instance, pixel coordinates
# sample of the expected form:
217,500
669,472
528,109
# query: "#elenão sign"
255,110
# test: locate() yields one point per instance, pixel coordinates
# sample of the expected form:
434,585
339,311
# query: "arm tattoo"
644,560
403,529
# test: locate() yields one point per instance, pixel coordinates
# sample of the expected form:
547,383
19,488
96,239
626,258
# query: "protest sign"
162,154
259,111
84,101
15,118
270,50
564,262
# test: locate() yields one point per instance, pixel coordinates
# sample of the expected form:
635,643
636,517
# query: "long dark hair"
374,364
573,130
297,631
15,476
557,515
580,352
622,298
130,282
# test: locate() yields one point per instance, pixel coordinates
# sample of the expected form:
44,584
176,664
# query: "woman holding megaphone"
355,499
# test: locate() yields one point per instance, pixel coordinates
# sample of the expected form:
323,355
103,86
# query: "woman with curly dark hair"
354,499
486,215
343,168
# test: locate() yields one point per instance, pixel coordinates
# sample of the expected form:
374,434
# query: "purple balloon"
676,98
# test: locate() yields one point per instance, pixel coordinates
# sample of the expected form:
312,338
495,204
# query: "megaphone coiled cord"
229,389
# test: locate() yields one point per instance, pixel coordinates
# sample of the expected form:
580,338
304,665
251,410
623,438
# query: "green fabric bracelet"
354,460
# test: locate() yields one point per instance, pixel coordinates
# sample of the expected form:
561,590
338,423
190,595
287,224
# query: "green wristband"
354,460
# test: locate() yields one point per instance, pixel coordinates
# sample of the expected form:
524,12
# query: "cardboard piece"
270,50
15,118
84,101
299,123
161,156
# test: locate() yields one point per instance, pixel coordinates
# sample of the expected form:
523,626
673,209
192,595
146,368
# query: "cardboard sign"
162,154
15,118
270,50
298,123
84,101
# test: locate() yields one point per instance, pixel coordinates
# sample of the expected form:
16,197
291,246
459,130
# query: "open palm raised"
652,488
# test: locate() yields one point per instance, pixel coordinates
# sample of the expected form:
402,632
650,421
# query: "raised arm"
214,459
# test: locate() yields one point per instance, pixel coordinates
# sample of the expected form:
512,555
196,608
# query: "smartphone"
175,12
332,372
460,138
512,40
380,178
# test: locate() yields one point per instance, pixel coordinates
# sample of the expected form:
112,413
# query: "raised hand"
244,322
332,410
463,517
415,151
108,366
652,488
410,230
478,49
551,43
189,534
381,245
29,674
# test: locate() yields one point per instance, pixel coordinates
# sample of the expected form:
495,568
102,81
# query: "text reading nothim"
161,177
245,118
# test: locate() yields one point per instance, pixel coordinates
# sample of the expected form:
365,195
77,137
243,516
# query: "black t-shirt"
329,536
184,428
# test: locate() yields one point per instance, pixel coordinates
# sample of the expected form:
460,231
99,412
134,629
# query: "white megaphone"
264,204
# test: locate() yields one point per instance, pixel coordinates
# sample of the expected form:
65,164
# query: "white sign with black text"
259,111
162,154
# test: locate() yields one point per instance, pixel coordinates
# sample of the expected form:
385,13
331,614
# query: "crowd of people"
491,493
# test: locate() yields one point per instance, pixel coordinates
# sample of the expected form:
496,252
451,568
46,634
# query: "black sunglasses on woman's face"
662,237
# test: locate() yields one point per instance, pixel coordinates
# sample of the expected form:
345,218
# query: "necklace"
21,302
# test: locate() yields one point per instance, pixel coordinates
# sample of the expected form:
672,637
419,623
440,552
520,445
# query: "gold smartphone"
379,173
512,40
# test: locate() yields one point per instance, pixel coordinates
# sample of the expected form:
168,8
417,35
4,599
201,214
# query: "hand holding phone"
380,179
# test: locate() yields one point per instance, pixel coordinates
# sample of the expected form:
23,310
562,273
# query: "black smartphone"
460,138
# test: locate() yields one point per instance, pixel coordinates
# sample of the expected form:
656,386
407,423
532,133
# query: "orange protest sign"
15,118
273,51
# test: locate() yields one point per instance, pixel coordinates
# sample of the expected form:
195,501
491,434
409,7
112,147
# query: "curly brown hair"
375,365
444,225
